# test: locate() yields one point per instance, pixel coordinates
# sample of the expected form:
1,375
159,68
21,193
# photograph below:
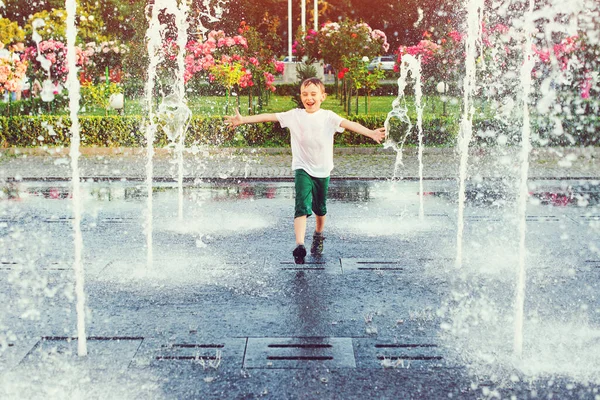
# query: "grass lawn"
216,105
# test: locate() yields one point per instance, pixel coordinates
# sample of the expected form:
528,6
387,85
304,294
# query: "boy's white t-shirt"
311,136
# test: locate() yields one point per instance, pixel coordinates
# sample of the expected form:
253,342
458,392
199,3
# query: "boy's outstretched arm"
376,134
238,119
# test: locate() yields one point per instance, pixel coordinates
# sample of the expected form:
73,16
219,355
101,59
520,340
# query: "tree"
89,26
339,42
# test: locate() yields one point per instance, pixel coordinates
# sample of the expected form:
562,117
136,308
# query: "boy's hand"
234,120
378,134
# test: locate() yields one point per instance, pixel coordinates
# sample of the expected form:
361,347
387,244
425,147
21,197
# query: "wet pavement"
223,312
274,163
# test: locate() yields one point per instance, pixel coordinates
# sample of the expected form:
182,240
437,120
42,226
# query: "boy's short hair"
313,81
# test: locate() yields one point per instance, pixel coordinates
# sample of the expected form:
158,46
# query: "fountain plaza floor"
223,312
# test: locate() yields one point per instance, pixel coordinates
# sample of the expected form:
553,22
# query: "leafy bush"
34,106
129,131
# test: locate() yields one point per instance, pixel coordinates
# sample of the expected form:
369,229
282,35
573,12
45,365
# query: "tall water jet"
523,196
155,54
474,13
182,24
400,112
47,92
173,112
74,96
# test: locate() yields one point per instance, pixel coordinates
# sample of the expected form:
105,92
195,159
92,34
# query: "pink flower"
456,36
586,85
544,55
240,40
279,67
500,28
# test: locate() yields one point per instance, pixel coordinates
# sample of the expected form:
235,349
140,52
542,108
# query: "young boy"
311,130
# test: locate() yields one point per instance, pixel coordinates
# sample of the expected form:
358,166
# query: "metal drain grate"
58,220
482,218
118,220
7,265
310,265
542,218
366,265
307,266
590,217
208,352
411,353
299,352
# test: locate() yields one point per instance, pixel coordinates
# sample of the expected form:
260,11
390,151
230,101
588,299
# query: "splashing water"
526,70
74,96
47,92
174,116
155,54
466,124
400,112
524,76
173,113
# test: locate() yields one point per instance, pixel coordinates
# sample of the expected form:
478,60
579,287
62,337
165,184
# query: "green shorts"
311,194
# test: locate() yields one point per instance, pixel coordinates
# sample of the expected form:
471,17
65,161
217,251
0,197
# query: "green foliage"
304,70
35,106
98,95
90,27
347,39
128,131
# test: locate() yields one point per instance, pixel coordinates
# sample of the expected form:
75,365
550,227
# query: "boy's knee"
301,213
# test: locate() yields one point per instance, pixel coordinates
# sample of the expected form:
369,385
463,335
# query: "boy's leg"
319,206
303,190
320,223
300,229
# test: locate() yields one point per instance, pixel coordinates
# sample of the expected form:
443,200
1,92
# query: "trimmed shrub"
129,131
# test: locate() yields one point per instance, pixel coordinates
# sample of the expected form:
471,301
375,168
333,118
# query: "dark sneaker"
299,254
316,247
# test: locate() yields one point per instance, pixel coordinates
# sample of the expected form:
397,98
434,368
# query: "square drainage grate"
590,266
482,218
311,265
411,352
209,353
299,352
118,220
368,264
590,218
104,352
8,265
404,265
542,218
58,220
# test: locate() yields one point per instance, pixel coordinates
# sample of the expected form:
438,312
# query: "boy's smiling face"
312,96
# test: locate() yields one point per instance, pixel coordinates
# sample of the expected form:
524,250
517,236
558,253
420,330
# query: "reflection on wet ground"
494,194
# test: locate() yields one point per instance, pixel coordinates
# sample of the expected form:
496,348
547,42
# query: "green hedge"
127,131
